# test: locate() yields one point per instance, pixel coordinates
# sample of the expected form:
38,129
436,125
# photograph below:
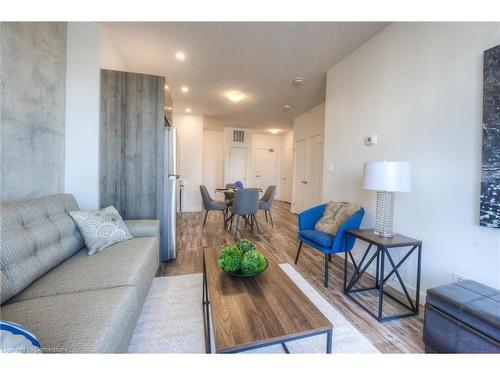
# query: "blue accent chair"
324,242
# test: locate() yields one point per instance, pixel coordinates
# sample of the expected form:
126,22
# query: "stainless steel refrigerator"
167,251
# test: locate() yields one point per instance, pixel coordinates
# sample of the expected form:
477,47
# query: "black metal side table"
382,244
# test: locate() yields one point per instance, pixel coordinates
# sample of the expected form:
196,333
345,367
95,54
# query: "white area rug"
172,321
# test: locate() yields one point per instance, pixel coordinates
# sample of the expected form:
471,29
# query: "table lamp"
386,178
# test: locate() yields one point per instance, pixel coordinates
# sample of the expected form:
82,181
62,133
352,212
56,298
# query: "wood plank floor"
280,244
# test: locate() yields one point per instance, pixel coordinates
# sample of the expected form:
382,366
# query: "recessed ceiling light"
235,96
179,55
298,81
287,107
274,131
184,89
167,87
188,110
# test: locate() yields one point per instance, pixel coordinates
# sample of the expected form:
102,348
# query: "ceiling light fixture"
167,87
235,96
298,81
287,107
188,110
179,55
274,131
184,89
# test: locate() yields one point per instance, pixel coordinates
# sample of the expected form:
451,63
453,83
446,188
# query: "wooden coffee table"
266,310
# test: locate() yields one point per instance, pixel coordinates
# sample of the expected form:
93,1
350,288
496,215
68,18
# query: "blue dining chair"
323,242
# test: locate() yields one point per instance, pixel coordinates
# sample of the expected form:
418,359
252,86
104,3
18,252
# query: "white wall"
189,156
110,55
419,87
213,161
310,123
82,113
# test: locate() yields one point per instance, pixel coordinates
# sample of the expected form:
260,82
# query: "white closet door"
313,171
287,177
300,175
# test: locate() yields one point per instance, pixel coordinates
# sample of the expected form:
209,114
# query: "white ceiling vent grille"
239,136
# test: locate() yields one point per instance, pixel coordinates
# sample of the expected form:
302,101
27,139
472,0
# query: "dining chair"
212,205
324,242
246,205
266,202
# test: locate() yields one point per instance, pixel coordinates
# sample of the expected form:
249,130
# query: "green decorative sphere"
230,259
246,245
253,262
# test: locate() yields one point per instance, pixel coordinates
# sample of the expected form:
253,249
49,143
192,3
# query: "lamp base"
386,235
384,214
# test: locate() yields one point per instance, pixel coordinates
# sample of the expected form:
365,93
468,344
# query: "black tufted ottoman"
463,317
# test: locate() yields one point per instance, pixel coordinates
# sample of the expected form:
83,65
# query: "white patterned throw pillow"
101,228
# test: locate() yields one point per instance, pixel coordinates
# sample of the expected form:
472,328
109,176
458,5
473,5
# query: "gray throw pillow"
101,228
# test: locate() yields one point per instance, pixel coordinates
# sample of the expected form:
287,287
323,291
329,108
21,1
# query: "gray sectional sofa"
73,302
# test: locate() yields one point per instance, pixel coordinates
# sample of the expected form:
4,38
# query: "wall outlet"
372,140
457,277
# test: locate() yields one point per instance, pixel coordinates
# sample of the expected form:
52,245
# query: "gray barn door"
131,144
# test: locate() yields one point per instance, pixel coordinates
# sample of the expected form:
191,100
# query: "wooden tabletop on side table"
268,309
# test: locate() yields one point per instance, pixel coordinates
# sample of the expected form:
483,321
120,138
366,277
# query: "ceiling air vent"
239,136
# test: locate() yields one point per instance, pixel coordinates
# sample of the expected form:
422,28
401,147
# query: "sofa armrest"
309,218
144,228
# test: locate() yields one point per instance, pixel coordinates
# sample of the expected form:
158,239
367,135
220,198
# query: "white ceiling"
256,58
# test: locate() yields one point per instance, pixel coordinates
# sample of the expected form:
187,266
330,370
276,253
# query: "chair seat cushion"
265,205
133,262
216,205
320,238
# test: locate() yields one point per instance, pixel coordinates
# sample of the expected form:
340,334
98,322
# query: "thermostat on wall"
372,140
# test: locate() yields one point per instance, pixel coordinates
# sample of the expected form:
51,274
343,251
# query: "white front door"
266,168
238,165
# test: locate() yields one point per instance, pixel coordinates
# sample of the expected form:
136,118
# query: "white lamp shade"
387,176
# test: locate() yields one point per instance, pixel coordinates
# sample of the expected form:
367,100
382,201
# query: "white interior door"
266,168
313,171
300,175
287,176
238,164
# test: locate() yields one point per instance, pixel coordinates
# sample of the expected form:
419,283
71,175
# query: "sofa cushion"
36,235
100,228
133,262
320,238
97,321
471,303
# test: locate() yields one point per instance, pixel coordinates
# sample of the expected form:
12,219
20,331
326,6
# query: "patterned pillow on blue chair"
15,338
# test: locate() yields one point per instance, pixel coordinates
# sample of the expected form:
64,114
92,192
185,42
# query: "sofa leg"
326,270
298,253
